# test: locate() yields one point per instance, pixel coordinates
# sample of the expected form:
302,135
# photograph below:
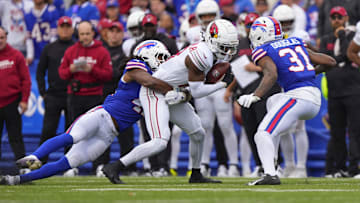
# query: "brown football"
217,72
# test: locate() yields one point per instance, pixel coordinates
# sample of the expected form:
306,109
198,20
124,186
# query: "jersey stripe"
259,56
197,60
279,115
135,67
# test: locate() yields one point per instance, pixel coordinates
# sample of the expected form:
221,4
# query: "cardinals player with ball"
188,67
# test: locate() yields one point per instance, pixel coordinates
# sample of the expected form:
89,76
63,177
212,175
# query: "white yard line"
215,189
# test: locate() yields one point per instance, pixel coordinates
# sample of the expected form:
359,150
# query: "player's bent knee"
260,135
198,135
161,144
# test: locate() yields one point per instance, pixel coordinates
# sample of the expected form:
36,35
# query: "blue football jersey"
86,11
41,27
124,104
292,62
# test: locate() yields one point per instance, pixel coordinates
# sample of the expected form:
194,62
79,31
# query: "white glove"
174,97
247,100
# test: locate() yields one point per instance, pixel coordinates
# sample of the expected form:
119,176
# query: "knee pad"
198,135
260,135
161,144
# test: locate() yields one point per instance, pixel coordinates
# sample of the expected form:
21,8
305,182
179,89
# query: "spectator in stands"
55,95
60,6
83,10
114,38
15,83
262,7
228,9
324,24
86,66
140,5
343,83
103,29
242,6
112,12
41,28
312,13
12,19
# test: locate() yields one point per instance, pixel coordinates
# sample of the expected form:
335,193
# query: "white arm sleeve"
29,49
198,89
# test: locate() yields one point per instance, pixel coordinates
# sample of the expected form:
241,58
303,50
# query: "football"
217,72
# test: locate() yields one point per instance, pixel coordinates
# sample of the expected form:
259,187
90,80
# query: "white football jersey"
357,34
12,19
174,70
194,35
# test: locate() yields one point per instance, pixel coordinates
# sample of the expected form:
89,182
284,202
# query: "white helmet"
222,38
285,14
206,7
265,29
134,21
152,52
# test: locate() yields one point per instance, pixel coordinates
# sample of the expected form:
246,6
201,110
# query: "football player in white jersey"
133,25
353,51
285,14
206,11
188,67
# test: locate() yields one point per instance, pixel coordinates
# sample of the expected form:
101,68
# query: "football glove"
176,96
247,100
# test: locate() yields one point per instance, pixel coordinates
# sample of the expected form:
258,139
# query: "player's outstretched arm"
196,78
353,51
323,61
145,79
270,76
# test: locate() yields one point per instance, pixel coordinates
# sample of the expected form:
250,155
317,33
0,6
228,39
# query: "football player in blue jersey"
41,28
93,132
288,62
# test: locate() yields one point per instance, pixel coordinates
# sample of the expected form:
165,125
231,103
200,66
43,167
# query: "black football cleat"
111,171
266,180
197,177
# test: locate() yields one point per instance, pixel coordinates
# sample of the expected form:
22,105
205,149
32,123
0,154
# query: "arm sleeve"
103,70
25,81
41,71
258,54
198,89
64,69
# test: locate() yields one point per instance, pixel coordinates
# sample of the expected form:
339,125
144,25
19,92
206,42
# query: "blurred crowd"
50,35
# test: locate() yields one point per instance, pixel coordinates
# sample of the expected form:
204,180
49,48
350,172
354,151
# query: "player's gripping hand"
247,100
228,77
177,96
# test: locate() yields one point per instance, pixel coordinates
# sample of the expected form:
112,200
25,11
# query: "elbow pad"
198,89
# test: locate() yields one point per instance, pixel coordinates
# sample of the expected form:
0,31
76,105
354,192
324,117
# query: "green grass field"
176,189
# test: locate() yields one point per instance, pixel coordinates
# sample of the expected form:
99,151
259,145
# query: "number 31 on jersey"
294,58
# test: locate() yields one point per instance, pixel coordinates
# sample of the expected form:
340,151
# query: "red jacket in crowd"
98,57
14,76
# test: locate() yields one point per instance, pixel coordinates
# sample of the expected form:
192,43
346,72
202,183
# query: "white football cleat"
288,170
205,170
24,171
71,172
31,162
99,172
233,171
222,171
10,180
298,173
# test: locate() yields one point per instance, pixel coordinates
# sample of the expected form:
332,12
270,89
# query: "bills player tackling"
188,67
93,132
286,61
